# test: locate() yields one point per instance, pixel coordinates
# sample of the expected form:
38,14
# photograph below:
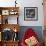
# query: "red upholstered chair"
29,33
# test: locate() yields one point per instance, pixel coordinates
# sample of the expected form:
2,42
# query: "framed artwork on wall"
30,13
5,12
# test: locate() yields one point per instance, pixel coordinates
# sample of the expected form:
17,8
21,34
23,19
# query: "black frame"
28,16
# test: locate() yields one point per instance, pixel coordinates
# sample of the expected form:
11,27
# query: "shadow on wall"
37,29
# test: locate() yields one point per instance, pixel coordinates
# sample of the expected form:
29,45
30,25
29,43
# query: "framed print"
5,12
30,13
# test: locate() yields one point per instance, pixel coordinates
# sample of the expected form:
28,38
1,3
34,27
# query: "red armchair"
28,34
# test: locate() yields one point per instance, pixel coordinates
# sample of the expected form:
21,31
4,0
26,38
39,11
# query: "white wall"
26,3
31,3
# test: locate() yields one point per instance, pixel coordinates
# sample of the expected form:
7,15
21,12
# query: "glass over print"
30,13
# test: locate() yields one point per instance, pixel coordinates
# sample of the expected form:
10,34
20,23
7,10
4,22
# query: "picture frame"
5,12
30,13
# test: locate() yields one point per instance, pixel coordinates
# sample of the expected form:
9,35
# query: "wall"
31,3
26,3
